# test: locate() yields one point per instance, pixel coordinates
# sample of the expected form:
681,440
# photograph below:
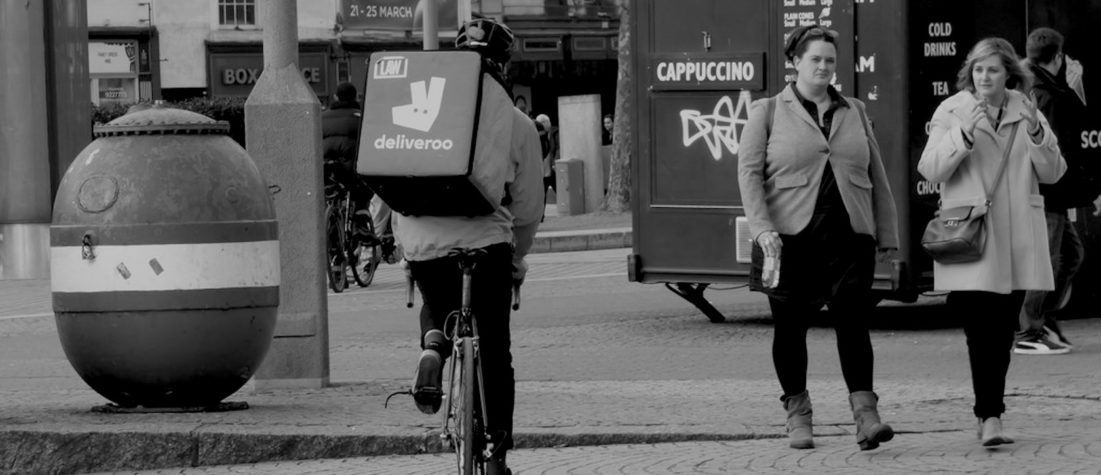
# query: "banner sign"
708,71
396,14
234,74
111,57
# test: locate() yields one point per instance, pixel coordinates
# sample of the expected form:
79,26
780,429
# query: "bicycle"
464,417
348,251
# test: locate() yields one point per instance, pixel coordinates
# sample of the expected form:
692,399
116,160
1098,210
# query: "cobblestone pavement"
1036,451
685,396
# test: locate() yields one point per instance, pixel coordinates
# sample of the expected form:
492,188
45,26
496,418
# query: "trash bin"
571,186
164,259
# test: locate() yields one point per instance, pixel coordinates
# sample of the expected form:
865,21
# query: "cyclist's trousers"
440,284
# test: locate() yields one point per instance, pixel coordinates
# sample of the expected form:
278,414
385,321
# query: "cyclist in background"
340,139
506,235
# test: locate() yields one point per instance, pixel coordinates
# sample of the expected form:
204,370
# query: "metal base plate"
112,408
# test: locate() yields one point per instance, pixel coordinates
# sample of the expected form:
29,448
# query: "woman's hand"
977,113
770,243
1032,118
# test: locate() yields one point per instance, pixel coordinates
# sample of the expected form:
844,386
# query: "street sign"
395,14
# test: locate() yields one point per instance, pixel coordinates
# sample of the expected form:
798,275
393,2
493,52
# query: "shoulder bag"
958,235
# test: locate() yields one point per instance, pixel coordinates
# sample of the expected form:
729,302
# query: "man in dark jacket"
1065,111
340,143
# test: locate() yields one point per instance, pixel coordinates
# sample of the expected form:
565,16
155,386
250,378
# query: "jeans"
1067,253
440,284
989,324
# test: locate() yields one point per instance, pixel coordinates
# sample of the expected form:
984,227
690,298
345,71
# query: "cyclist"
340,136
506,235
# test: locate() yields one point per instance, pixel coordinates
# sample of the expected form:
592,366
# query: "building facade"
179,49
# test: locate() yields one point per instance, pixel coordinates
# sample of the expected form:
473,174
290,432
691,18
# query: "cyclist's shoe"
436,341
497,466
1038,343
361,229
391,251
428,382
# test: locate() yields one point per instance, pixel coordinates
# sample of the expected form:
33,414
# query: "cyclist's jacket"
340,133
430,237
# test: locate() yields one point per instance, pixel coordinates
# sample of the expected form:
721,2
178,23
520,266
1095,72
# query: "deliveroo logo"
425,107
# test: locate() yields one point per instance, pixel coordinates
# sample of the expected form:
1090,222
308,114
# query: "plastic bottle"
770,273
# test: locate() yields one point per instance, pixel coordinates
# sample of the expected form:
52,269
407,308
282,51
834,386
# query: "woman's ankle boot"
870,431
800,433
991,432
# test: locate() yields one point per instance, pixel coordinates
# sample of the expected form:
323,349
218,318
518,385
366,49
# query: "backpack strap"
771,116
863,117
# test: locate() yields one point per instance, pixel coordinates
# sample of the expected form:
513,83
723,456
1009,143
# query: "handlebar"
515,295
408,284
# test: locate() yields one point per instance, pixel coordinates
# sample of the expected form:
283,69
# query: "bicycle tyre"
338,274
338,265
464,418
364,259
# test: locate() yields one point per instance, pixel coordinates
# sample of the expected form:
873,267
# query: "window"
540,44
236,12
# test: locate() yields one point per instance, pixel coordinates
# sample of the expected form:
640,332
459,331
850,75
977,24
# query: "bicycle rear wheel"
461,407
364,258
338,264
338,274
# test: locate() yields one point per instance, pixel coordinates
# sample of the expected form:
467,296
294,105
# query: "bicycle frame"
466,357
336,218
342,243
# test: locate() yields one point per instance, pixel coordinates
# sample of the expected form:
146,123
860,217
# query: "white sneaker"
1037,343
1056,336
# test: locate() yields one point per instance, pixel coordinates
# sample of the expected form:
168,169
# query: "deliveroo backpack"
436,133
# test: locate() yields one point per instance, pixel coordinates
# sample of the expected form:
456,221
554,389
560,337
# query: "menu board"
940,38
836,15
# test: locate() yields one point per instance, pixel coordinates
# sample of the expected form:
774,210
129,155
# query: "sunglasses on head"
816,31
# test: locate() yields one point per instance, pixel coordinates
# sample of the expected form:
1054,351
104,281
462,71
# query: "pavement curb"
583,240
43,452
76,441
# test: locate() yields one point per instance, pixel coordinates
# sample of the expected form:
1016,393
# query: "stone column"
430,25
45,122
25,195
283,136
579,139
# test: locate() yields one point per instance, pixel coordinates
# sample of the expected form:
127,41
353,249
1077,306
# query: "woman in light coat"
967,139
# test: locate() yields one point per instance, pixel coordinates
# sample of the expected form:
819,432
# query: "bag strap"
1005,162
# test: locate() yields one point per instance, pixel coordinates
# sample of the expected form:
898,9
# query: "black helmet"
493,40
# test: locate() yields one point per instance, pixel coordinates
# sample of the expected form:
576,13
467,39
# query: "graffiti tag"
719,129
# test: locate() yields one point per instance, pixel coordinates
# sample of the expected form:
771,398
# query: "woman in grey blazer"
817,199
